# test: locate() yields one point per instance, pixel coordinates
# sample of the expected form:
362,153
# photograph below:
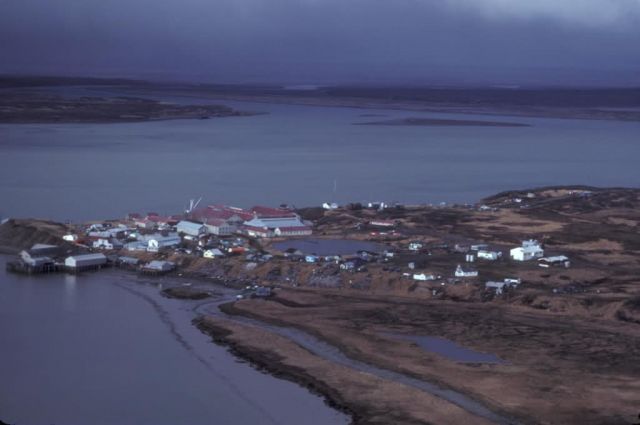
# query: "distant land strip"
438,122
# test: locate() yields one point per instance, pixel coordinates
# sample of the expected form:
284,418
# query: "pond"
450,349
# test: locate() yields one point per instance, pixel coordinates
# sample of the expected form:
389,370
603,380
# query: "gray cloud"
327,40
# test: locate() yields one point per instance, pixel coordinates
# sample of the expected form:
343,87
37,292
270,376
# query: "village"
543,279
245,242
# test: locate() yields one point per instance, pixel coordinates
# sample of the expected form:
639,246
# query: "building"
555,261
33,259
415,246
500,286
86,261
382,223
528,251
489,255
268,227
219,227
159,266
70,238
107,244
212,253
330,206
157,243
41,250
424,277
465,272
191,229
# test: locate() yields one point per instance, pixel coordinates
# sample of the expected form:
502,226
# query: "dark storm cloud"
592,41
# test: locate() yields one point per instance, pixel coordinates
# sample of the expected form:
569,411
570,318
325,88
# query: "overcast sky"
325,41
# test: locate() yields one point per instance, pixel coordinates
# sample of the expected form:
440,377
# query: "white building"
555,261
87,260
156,244
465,272
489,255
423,277
528,251
191,229
70,238
212,253
330,206
277,226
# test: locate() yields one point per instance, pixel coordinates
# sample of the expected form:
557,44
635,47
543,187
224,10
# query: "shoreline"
569,311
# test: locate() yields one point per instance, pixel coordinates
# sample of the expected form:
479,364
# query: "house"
70,238
212,253
190,228
108,244
497,286
465,272
330,206
478,247
500,286
415,246
311,259
382,223
489,255
424,277
528,251
555,261
86,261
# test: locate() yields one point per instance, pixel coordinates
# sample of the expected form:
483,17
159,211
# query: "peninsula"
481,313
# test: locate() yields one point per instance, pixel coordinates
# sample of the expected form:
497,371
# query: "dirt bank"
368,399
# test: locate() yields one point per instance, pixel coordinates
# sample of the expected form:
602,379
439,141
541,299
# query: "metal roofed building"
85,261
276,226
190,228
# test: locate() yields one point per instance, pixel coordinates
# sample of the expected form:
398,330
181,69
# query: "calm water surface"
106,349
294,154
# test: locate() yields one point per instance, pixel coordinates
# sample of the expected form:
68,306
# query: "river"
106,348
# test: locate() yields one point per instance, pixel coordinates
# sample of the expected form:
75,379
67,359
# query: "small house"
415,246
212,253
423,277
528,251
489,255
555,261
465,272
311,258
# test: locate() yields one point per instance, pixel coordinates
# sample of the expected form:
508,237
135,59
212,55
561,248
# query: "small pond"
450,349
328,246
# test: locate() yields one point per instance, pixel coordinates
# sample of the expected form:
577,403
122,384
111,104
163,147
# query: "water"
293,155
328,246
104,349
450,349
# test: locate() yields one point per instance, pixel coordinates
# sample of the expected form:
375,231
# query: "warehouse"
85,262
190,228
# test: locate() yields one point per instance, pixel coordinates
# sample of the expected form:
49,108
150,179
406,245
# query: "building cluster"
528,251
